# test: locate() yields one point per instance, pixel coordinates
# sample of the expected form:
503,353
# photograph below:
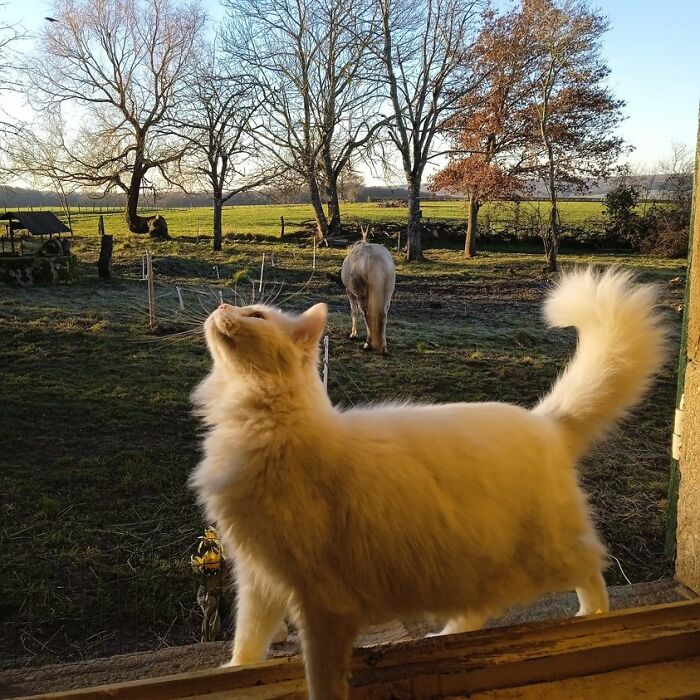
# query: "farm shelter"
53,262
37,223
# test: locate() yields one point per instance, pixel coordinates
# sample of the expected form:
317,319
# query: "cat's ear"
310,325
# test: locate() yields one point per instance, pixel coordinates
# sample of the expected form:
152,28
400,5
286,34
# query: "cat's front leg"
327,641
259,618
592,595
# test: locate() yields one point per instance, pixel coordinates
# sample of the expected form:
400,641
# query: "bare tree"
350,183
122,66
218,123
422,44
677,186
10,35
348,112
39,158
308,61
574,112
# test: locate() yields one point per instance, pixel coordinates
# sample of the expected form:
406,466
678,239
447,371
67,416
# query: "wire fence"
88,207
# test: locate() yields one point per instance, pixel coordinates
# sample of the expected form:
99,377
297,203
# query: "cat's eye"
256,314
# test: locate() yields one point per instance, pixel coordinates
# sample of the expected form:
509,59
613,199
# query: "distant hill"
16,197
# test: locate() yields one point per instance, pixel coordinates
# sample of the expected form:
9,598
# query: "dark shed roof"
37,223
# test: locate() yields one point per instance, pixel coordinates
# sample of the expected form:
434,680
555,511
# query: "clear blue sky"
653,49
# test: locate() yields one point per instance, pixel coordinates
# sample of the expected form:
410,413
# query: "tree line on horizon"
133,96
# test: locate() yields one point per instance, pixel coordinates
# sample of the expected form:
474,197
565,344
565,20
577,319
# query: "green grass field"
96,521
265,219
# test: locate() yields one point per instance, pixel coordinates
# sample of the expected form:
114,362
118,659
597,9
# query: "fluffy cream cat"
354,517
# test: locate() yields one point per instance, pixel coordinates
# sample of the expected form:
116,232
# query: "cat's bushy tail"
621,345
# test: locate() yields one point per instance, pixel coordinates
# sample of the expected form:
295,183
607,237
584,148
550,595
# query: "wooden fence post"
262,273
151,291
104,263
281,227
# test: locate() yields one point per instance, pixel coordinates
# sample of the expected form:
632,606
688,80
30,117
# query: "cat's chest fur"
255,486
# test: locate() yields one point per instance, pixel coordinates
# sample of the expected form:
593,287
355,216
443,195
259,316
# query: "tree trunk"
551,240
321,220
331,179
333,209
155,226
414,249
551,237
136,223
104,264
472,219
218,207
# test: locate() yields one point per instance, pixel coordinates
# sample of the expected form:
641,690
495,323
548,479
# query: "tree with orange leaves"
542,111
492,126
574,112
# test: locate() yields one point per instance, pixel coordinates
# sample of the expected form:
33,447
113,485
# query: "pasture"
264,220
96,518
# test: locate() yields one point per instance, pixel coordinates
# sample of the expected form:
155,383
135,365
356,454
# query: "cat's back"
460,439
477,421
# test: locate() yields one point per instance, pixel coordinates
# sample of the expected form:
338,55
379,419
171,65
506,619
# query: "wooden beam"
692,280
473,664
668,680
686,477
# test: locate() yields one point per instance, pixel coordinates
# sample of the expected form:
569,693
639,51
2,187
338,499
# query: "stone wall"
27,271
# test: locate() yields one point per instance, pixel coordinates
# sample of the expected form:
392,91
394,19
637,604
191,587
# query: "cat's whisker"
273,296
169,340
304,287
204,309
346,374
174,336
267,294
337,383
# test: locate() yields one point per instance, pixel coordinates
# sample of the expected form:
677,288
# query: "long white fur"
369,276
460,511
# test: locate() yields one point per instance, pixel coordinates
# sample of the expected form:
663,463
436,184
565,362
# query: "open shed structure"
51,264
37,223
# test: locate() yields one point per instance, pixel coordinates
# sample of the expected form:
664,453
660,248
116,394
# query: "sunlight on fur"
348,518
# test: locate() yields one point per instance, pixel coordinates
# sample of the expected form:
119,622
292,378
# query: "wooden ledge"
649,652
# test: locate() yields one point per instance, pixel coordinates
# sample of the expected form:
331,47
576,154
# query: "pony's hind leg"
354,311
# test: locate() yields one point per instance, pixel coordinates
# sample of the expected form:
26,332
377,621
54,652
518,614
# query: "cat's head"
263,339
